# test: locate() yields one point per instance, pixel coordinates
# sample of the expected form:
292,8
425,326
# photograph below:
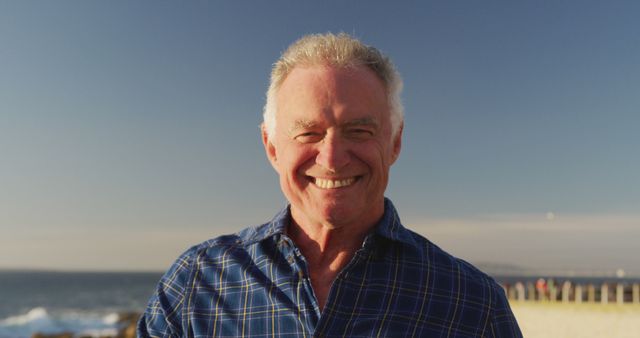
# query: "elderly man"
337,261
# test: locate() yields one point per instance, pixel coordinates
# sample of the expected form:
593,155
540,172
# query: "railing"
547,291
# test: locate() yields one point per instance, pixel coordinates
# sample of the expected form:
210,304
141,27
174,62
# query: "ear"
397,144
269,148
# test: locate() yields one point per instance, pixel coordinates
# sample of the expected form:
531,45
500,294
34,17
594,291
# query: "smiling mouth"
324,183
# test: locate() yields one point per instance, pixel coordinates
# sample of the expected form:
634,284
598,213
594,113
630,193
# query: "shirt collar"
388,227
277,226
391,228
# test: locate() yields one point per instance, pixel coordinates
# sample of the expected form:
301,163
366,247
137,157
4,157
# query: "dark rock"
55,335
127,322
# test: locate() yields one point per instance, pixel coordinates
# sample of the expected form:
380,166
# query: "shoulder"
164,314
224,249
204,257
449,267
456,278
214,248
456,290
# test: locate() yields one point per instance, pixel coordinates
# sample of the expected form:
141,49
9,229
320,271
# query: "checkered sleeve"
503,323
163,316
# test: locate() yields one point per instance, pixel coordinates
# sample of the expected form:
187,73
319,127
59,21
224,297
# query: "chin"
337,215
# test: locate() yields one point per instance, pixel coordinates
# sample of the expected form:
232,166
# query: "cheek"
374,155
297,161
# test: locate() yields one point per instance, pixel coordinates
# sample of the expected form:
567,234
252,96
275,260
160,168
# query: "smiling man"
337,261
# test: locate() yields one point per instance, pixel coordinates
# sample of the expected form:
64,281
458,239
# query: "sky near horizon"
129,130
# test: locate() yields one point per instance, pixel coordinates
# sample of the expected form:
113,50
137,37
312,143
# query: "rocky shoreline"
126,323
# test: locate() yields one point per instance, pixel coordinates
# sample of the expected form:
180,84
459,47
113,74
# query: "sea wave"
40,320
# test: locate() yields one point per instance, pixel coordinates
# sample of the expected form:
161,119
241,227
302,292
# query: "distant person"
337,260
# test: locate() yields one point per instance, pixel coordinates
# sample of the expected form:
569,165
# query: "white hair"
339,50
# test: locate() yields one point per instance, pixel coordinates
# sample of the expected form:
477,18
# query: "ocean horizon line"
73,270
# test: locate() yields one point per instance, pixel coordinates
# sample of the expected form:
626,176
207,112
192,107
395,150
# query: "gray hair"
339,50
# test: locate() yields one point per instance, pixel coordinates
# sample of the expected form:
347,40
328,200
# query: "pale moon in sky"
550,216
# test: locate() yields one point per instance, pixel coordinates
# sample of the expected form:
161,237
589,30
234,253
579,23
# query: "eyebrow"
365,121
302,124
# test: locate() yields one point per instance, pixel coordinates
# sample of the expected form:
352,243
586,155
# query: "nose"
333,153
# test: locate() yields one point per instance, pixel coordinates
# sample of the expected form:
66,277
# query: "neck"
322,241
327,249
322,245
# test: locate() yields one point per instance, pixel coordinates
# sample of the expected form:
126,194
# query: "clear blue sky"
129,130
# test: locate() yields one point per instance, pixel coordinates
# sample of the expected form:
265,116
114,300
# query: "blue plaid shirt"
256,284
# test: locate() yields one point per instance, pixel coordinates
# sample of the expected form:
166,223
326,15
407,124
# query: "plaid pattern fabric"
255,284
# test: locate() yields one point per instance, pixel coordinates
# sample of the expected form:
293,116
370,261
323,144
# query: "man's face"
332,147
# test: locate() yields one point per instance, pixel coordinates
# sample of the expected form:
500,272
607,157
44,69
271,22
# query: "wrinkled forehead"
333,96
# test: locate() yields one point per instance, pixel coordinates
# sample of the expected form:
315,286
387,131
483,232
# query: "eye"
363,131
360,133
308,137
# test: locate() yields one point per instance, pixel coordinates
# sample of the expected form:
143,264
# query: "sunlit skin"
332,150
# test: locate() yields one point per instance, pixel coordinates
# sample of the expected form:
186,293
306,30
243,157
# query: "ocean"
80,302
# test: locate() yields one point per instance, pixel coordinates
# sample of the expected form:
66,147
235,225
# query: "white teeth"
332,184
